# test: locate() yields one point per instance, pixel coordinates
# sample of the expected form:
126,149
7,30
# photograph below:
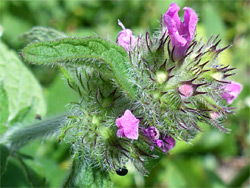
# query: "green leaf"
34,173
41,34
85,175
20,87
93,177
4,154
14,175
4,112
21,115
90,51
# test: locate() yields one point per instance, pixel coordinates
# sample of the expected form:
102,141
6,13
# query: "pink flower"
128,126
181,34
125,38
231,92
185,90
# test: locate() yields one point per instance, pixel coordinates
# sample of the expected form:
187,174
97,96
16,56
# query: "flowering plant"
137,96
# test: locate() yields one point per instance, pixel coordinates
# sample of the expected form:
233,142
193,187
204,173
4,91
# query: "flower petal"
120,133
181,34
231,92
190,23
128,125
172,14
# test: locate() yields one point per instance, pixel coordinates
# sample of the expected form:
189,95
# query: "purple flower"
157,143
167,142
125,38
181,34
231,92
128,126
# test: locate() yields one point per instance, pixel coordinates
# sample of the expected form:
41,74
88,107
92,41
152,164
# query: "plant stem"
17,137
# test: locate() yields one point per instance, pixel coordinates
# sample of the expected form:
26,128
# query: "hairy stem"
18,137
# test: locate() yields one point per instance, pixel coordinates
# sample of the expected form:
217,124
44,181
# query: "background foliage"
213,159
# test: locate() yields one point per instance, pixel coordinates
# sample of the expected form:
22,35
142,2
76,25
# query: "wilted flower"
128,126
125,38
231,92
181,34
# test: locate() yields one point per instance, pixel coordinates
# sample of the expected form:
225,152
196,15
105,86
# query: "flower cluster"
177,86
193,94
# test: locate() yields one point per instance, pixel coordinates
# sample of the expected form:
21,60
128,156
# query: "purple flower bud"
128,126
168,143
157,143
125,38
181,34
185,90
152,133
231,92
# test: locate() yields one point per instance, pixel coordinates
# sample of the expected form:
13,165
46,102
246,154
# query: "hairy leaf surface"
39,33
85,175
90,51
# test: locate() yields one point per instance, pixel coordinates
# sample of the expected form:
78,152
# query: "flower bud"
152,133
185,90
125,38
214,115
231,92
161,77
168,143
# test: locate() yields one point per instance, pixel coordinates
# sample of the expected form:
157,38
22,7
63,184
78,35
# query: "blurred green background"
213,159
